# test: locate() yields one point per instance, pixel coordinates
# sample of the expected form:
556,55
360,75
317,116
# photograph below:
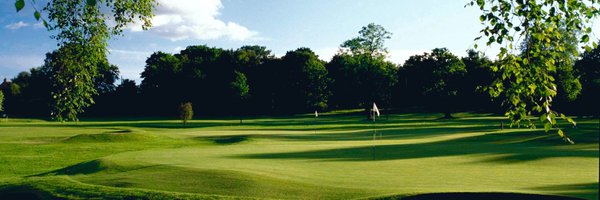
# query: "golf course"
339,155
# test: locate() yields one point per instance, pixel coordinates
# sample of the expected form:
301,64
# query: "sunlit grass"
298,157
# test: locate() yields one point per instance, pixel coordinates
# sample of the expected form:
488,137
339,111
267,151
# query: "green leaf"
37,15
517,29
19,4
547,126
91,2
585,38
561,133
543,117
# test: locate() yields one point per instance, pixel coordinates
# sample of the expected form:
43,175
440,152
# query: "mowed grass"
334,156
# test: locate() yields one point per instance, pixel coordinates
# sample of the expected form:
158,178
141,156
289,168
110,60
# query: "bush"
186,112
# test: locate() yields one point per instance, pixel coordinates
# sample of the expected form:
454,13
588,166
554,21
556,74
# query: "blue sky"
280,25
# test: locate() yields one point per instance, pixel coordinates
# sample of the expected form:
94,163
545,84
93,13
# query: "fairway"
334,156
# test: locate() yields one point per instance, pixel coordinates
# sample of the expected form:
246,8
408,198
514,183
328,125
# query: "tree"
439,74
478,77
29,93
361,80
526,82
360,73
588,69
108,74
1,101
82,30
370,41
240,89
304,84
186,112
256,62
72,83
160,82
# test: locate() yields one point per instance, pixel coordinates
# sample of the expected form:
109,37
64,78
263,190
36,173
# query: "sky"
280,25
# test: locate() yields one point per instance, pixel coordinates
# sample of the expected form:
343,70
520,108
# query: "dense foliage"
528,79
250,80
186,112
443,70
82,30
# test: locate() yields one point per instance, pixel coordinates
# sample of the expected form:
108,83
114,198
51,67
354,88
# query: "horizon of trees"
250,80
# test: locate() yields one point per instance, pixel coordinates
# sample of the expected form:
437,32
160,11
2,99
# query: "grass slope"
299,157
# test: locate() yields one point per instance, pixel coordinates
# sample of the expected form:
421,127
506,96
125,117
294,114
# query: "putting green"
334,156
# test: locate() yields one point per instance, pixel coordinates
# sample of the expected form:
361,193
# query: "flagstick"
374,134
315,122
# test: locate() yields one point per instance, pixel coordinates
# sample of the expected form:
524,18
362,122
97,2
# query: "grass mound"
414,156
216,182
114,136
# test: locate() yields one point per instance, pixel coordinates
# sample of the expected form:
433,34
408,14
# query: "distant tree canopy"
439,78
371,42
588,71
305,81
251,80
360,80
360,73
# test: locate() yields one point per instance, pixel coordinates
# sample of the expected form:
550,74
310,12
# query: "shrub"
186,112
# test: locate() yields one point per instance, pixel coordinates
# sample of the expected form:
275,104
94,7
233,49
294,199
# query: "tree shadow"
584,190
508,151
226,140
92,167
20,192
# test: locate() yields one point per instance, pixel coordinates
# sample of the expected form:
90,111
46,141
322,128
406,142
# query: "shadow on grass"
131,124
518,149
22,192
225,140
92,167
585,190
479,196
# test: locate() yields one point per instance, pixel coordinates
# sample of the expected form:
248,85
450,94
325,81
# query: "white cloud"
326,53
185,19
399,56
38,25
17,25
129,53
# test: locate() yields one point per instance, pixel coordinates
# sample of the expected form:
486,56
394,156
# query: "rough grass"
298,157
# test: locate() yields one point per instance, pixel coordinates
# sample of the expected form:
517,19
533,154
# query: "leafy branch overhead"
82,31
527,83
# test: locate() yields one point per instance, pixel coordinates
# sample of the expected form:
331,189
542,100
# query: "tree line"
250,80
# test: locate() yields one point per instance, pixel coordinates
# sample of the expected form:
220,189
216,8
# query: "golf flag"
375,109
316,114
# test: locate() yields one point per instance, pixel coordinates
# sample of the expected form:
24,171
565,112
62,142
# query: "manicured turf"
299,157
